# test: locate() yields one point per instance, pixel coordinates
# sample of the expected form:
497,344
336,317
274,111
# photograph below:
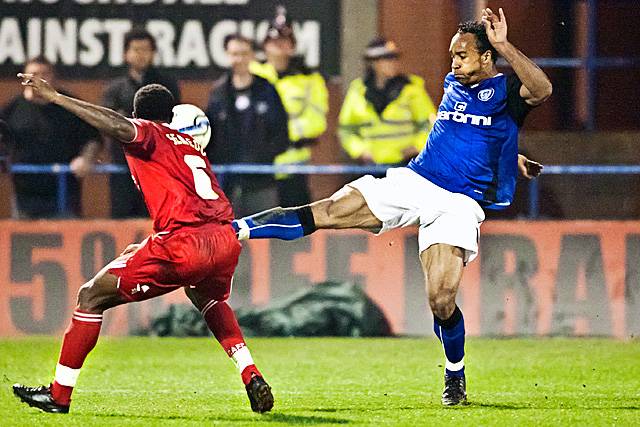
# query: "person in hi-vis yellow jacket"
305,98
386,116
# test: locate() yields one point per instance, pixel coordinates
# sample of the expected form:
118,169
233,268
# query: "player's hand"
81,166
528,168
41,87
131,248
496,26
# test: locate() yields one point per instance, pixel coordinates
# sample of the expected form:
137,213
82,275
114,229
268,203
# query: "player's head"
472,55
280,41
239,50
39,66
153,102
382,56
139,49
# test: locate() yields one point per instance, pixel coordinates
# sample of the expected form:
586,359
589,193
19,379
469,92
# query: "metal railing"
62,171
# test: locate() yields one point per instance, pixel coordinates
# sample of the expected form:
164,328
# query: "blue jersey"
473,146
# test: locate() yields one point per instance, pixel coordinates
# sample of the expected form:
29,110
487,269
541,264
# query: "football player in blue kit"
470,162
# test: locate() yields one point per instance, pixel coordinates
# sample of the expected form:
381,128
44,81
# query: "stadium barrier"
532,277
62,171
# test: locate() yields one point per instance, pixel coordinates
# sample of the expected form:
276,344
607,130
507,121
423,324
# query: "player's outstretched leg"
222,321
346,208
79,339
443,265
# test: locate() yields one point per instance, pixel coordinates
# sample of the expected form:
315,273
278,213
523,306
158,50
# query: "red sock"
79,339
248,373
221,320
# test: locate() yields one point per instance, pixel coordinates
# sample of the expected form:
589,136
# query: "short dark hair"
482,41
138,33
153,102
239,38
42,60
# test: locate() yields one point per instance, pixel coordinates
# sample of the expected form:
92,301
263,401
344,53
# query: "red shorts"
202,257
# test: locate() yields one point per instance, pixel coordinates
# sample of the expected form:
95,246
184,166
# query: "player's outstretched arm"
536,86
105,120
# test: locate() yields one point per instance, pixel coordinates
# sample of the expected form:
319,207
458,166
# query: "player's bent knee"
443,303
99,294
86,297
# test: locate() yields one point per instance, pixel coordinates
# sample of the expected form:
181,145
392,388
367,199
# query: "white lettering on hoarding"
91,41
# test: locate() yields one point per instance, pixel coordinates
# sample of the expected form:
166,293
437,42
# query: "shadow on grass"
353,410
268,418
507,406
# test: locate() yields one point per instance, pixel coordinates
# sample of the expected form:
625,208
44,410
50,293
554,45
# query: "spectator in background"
305,98
139,51
45,133
249,126
386,116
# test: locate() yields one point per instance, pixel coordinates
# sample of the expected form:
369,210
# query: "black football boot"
39,397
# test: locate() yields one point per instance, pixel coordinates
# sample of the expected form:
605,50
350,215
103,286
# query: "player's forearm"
91,150
531,76
105,120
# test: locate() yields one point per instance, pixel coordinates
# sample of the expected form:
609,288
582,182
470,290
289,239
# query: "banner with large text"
531,278
85,38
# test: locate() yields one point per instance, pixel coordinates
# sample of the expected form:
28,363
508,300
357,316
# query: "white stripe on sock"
208,306
84,319
242,358
82,313
277,225
66,376
453,367
87,317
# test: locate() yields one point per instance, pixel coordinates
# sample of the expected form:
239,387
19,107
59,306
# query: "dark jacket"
267,119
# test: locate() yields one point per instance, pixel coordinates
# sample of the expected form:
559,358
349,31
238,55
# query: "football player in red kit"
193,246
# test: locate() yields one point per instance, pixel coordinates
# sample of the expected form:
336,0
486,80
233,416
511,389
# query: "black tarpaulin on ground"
325,309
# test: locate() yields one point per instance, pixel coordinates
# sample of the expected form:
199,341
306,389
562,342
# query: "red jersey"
175,178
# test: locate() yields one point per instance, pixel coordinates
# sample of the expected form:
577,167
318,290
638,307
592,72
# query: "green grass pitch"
184,382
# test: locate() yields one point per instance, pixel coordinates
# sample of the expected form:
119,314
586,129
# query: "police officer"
305,98
386,116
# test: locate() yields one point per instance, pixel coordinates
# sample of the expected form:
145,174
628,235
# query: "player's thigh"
347,208
145,272
442,265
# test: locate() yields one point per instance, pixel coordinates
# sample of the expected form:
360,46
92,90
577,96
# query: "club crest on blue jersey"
486,94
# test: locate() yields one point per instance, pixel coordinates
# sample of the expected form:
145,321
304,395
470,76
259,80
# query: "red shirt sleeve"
143,139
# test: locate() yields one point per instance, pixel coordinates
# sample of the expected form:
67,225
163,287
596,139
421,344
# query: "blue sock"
451,335
277,223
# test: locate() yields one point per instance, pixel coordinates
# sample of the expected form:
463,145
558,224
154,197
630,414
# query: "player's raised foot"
455,391
259,393
39,397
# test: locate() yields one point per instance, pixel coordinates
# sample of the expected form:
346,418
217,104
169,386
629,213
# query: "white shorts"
404,198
